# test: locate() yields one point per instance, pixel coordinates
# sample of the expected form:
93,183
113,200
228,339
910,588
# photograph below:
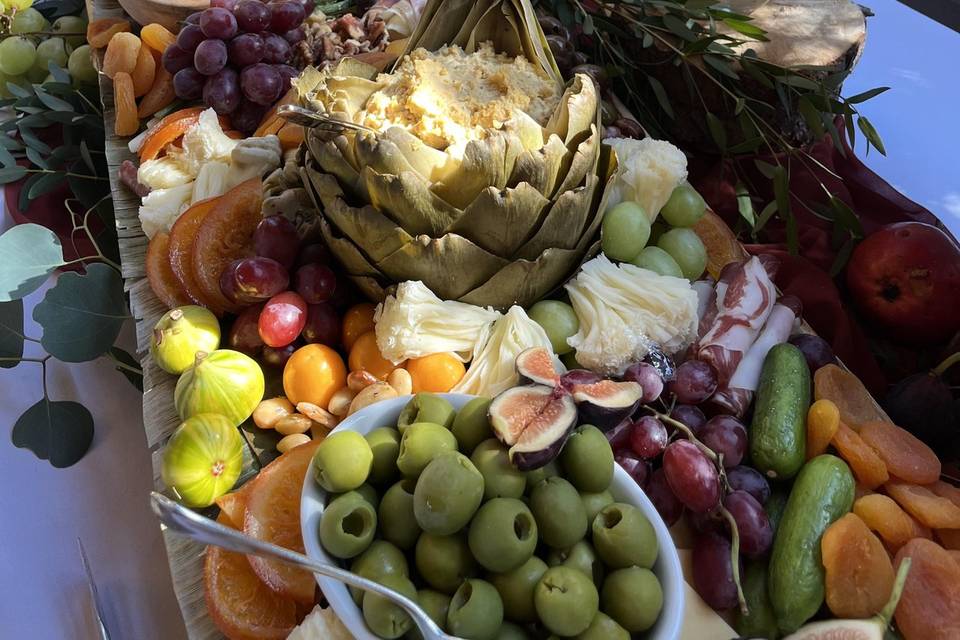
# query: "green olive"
500,478
587,459
535,477
369,494
503,534
347,525
476,611
624,537
633,598
444,562
580,556
594,502
342,461
385,444
397,523
385,618
604,627
516,589
566,601
380,559
559,512
472,426
426,407
422,442
436,605
510,631
447,494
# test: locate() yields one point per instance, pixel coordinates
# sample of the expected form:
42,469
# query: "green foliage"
28,255
60,431
11,333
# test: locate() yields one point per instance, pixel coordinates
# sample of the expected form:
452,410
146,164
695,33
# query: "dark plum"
816,351
276,237
725,435
315,282
311,253
713,572
244,335
658,490
744,478
277,356
648,437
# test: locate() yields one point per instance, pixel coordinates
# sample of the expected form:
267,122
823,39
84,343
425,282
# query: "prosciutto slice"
747,300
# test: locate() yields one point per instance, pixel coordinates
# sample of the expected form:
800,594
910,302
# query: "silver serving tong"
102,632
314,120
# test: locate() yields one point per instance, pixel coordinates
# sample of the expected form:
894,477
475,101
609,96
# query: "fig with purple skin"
606,403
538,365
923,404
534,421
577,377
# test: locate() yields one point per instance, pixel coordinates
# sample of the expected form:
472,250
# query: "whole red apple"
905,278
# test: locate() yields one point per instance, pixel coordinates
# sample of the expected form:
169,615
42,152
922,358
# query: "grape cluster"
689,464
284,312
25,57
236,56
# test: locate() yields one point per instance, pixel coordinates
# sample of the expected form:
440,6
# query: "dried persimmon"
182,236
144,72
99,32
121,55
859,574
162,280
906,456
929,608
867,466
823,420
225,235
233,505
845,390
924,505
886,517
126,122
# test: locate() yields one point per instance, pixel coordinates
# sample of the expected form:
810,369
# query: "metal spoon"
183,520
313,119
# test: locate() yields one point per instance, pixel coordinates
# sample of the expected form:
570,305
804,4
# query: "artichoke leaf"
606,172
350,66
440,22
535,41
501,221
370,287
482,166
381,155
450,266
408,201
577,109
430,163
540,169
565,222
347,253
582,162
332,161
377,235
526,130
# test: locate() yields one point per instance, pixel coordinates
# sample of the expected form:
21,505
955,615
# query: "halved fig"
605,403
539,366
535,420
579,377
511,411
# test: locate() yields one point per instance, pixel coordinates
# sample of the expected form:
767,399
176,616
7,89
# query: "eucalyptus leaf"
23,201
679,27
721,65
82,315
34,121
52,102
58,431
11,333
870,133
866,95
124,357
756,73
19,91
31,140
34,156
9,143
717,131
811,116
28,254
746,29
765,168
843,256
60,75
6,158
845,218
799,82
746,146
765,216
647,40
744,204
47,183
87,158
661,95
12,174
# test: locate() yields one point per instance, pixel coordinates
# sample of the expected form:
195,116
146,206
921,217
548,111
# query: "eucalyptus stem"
735,557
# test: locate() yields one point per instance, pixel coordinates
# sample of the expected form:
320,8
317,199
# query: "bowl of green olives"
418,494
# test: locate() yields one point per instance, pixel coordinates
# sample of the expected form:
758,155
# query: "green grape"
80,66
17,55
558,321
51,50
659,261
28,20
624,231
687,249
71,24
684,208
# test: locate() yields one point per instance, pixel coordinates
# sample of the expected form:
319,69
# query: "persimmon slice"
167,130
233,505
163,282
273,515
182,237
225,235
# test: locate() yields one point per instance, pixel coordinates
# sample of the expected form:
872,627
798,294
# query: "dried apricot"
157,37
823,420
855,403
859,574
144,72
225,235
162,280
949,538
121,55
905,455
160,95
859,491
866,465
945,490
929,608
924,505
182,236
883,515
955,555
99,32
124,105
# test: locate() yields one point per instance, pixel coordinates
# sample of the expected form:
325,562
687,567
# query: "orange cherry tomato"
313,374
436,373
365,356
357,321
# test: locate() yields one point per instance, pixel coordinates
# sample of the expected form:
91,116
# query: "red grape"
229,5
285,16
247,117
174,58
691,416
648,437
308,6
317,252
278,356
691,476
816,351
253,279
276,237
726,435
210,57
638,469
287,74
282,319
619,436
222,91
244,334
748,479
188,83
323,324
260,83
275,49
252,16
245,49
647,377
315,282
694,382
189,37
666,503
706,521
193,18
713,571
295,35
217,22
753,525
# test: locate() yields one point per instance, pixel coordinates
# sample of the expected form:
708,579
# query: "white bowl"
624,489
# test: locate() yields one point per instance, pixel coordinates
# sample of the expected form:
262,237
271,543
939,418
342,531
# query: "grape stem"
735,558
707,451
44,33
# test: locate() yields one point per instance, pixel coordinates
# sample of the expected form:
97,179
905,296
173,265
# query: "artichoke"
500,219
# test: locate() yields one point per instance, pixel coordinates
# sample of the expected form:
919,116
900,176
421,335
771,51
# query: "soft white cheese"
647,173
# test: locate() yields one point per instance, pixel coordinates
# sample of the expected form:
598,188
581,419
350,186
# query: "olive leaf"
82,315
28,254
58,431
11,333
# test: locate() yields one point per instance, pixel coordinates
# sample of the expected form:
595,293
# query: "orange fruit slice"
162,280
233,505
182,236
722,246
273,515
